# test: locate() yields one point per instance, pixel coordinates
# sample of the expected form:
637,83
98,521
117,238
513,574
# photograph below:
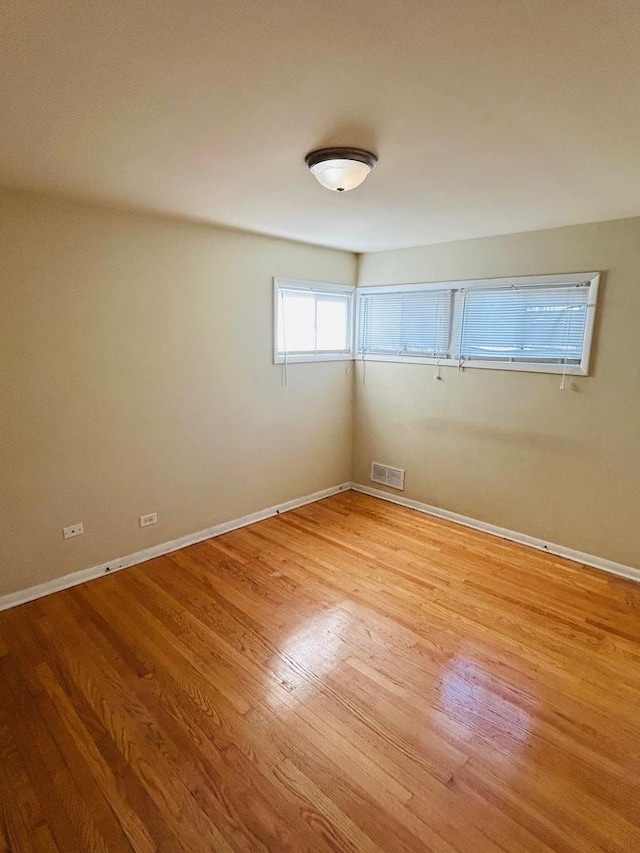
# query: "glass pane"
296,331
332,324
532,324
406,323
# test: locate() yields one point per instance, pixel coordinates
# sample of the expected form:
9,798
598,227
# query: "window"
530,324
406,322
313,321
541,323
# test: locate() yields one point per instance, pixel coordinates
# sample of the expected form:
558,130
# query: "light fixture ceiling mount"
340,169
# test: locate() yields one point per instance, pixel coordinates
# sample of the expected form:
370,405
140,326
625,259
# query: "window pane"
332,330
313,321
533,324
297,328
409,323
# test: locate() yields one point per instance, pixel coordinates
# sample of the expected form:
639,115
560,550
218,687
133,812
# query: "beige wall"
511,448
136,375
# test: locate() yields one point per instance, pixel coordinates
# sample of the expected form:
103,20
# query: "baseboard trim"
504,533
13,599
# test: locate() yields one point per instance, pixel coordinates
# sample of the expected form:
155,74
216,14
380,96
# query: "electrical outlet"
72,530
148,519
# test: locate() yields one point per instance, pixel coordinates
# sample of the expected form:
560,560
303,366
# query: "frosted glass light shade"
340,175
340,169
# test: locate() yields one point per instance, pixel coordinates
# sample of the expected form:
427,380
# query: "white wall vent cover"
387,475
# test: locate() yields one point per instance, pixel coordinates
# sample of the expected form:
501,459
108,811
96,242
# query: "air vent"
388,476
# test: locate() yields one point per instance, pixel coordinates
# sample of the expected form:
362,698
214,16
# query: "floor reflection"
486,707
309,654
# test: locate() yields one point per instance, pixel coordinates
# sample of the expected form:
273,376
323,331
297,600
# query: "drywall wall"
509,448
136,376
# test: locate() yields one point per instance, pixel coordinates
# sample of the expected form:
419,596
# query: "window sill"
305,359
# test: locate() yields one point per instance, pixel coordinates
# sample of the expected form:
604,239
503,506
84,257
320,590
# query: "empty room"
320,426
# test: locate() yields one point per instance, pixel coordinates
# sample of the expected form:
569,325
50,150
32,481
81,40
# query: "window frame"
328,288
458,288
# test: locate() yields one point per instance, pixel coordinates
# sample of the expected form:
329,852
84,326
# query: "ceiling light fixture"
340,169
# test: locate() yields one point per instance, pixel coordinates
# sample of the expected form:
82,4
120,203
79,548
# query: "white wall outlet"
72,530
148,519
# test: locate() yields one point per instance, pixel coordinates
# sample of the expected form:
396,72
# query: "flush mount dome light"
340,169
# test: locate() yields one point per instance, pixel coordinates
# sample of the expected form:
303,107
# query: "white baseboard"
13,599
504,533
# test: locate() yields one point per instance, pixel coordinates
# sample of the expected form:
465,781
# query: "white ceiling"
488,116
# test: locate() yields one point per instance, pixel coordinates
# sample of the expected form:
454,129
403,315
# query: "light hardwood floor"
351,675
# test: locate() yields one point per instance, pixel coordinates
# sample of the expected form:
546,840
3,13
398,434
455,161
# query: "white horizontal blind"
536,324
406,323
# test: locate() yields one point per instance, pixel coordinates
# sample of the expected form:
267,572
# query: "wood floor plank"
20,812
70,825
348,676
122,799
224,749
167,774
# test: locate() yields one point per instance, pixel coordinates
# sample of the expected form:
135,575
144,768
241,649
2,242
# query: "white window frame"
458,288
314,287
